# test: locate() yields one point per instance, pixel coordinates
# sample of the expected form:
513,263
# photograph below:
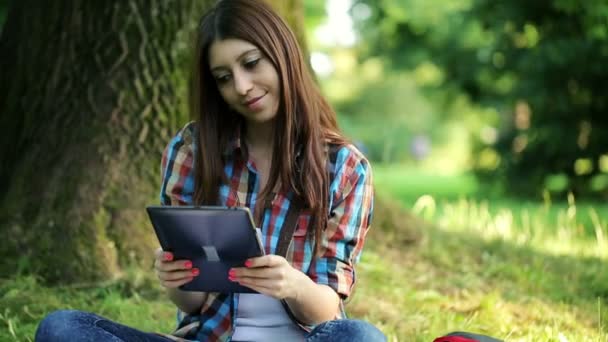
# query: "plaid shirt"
350,203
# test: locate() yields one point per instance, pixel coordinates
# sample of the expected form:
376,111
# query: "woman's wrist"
186,301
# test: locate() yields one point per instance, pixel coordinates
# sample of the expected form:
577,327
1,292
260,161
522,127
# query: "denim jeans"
73,325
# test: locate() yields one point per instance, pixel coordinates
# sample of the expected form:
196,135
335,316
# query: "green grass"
457,281
135,300
520,271
517,270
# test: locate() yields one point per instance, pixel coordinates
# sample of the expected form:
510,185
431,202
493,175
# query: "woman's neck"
260,137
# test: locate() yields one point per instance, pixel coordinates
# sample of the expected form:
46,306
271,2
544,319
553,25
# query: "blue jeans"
73,325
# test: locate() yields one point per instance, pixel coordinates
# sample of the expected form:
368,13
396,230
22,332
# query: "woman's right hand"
173,274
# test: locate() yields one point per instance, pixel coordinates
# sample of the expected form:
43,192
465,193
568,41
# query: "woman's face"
246,79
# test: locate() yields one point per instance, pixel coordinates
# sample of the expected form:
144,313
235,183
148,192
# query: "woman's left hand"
271,275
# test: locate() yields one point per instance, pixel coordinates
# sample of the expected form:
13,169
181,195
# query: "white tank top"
263,318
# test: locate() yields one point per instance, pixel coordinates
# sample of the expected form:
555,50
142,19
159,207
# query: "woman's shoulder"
339,153
347,160
181,146
177,165
186,134
183,140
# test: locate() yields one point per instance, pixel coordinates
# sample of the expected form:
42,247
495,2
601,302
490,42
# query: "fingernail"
188,264
231,274
195,271
231,278
168,256
248,263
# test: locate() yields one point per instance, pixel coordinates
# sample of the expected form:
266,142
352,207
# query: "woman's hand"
270,275
173,274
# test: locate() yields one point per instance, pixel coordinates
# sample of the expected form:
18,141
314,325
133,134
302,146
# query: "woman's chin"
259,117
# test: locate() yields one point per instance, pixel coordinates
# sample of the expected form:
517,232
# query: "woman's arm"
272,275
313,303
189,302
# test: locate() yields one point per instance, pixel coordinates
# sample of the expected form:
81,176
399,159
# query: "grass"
135,300
514,270
517,270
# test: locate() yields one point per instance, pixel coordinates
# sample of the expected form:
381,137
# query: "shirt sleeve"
177,178
350,217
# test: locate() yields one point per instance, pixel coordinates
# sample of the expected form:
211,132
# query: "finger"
270,260
167,256
258,273
175,283
178,275
168,266
161,255
263,267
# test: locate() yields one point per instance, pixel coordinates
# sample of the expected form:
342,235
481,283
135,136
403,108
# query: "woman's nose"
242,83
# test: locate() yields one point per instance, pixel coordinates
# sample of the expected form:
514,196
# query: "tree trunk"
91,92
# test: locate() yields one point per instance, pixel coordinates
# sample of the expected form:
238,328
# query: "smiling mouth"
254,100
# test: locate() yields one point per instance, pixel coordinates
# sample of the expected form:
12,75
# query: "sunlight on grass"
412,298
452,203
564,233
516,270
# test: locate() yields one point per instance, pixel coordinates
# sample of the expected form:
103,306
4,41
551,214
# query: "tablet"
214,238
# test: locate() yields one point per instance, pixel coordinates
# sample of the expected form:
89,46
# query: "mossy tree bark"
90,94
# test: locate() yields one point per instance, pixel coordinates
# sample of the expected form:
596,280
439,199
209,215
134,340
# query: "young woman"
263,138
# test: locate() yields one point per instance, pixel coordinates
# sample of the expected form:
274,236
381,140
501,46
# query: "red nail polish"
231,274
168,256
195,271
188,264
248,263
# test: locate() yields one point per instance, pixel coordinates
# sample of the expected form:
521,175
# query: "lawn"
512,268
520,271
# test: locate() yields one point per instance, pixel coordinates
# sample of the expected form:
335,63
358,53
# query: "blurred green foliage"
314,12
533,76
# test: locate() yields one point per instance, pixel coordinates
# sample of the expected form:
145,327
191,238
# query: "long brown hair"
305,122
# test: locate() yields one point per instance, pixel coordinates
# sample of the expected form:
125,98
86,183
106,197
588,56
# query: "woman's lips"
254,103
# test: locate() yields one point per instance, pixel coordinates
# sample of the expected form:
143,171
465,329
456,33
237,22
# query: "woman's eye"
252,63
222,79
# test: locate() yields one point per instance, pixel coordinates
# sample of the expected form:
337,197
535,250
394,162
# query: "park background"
485,123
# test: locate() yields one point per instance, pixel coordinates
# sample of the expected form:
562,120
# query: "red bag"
460,336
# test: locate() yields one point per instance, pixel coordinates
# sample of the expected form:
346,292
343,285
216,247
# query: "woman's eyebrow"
220,67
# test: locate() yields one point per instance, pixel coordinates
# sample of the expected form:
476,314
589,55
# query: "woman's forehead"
223,52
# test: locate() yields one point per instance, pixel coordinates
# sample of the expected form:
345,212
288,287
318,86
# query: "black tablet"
215,239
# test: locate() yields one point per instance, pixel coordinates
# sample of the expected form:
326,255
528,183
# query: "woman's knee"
351,330
362,328
58,325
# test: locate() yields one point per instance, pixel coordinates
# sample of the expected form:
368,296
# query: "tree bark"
91,92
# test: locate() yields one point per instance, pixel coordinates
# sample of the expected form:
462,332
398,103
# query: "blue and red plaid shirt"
350,203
